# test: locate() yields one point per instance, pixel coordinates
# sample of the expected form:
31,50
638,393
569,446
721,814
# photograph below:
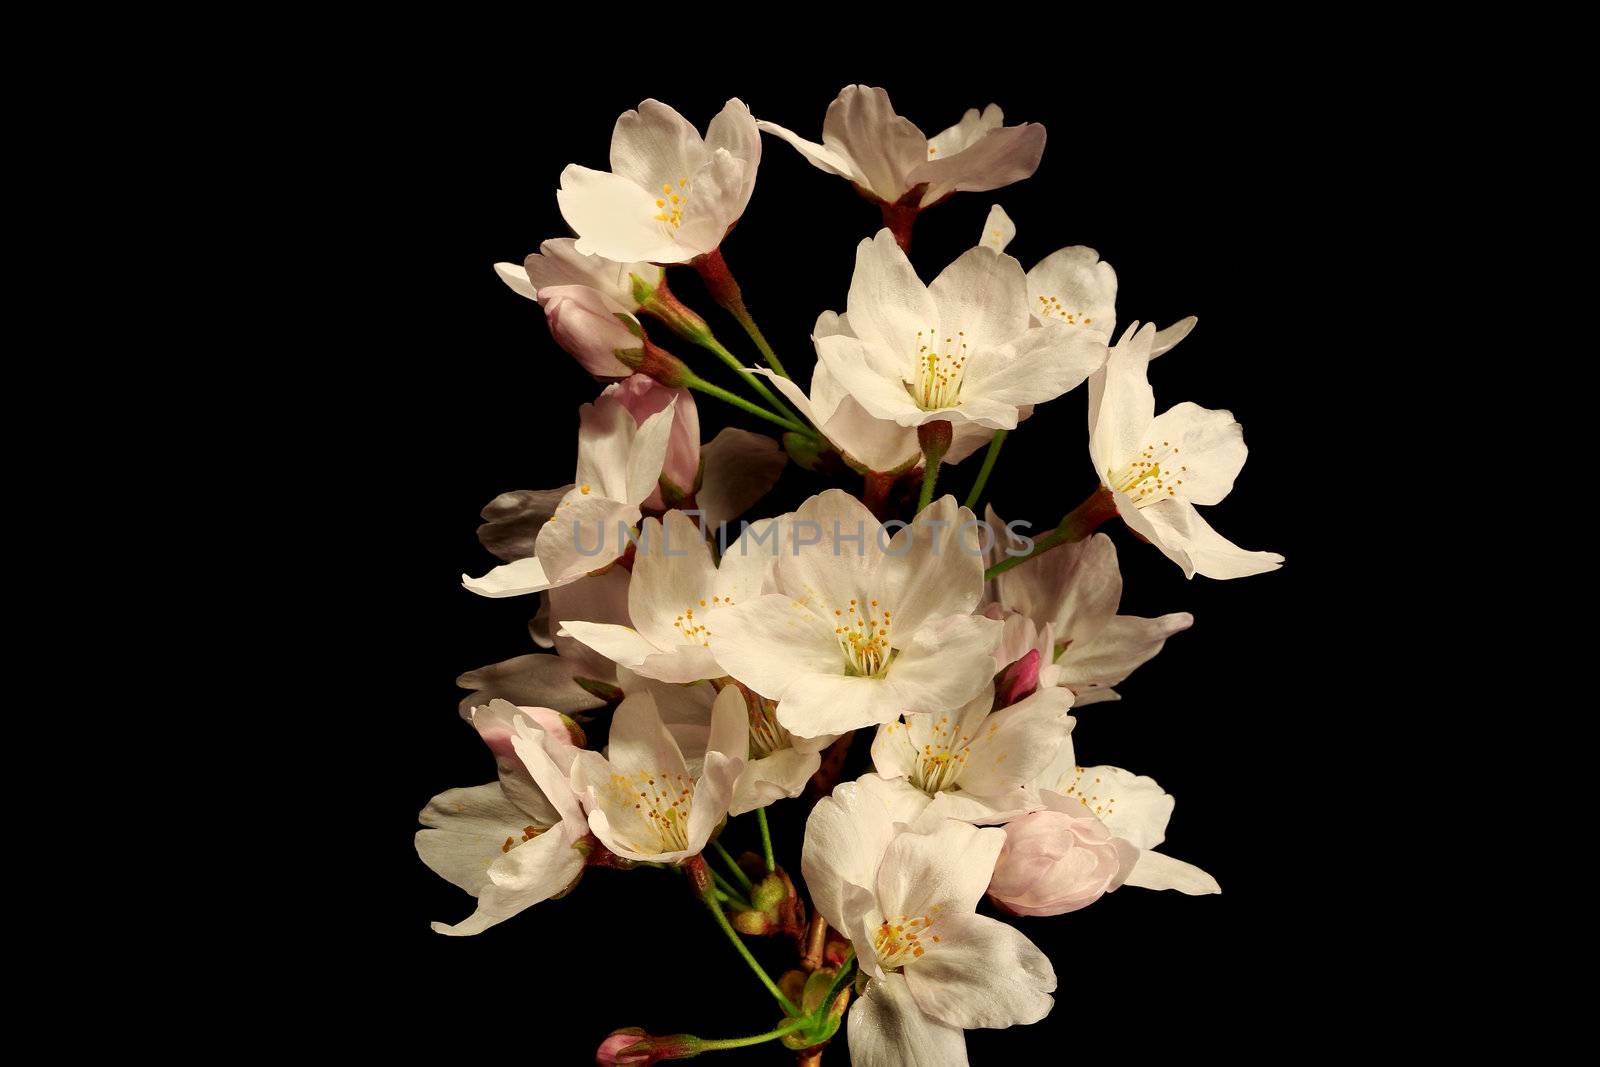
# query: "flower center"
941,760
693,630
767,735
672,203
662,799
900,941
1145,479
939,370
1050,308
864,639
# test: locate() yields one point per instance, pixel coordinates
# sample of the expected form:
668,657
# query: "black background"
1200,204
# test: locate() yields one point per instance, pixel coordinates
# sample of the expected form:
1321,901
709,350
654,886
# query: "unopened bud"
753,923
633,1045
1017,681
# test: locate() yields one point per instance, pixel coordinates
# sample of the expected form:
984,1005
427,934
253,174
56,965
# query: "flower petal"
883,148
1209,445
1155,871
888,304
983,973
536,680
613,217
655,145
941,873
1001,157
740,468
888,1029
984,296
770,642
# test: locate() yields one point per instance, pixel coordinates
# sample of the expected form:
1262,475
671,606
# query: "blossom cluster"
737,666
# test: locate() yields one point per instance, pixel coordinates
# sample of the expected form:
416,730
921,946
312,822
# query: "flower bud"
589,326
1017,681
633,1045
1053,863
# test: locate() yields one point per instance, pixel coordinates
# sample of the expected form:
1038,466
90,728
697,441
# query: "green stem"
989,458
744,879
771,1035
754,331
710,901
1079,523
930,475
766,838
701,385
712,345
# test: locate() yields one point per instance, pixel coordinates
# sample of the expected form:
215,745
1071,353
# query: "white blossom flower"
1073,288
643,800
907,902
976,764
670,195
869,443
676,602
619,464
1158,467
511,843
863,625
1133,808
780,764
958,350
559,263
887,156
1064,604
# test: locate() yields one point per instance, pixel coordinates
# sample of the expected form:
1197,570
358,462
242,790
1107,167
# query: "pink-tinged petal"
740,468
972,128
612,216
983,973
1208,450
1001,157
496,723
586,328
883,148
654,146
1055,862
1132,806
888,1029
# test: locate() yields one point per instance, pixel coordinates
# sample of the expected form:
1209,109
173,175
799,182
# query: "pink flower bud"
620,1047
584,322
1054,863
1018,680
643,397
